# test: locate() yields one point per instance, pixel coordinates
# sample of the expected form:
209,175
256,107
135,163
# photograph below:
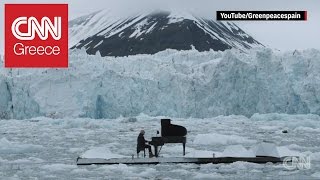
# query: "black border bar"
262,15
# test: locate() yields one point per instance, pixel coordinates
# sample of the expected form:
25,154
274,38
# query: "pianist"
141,145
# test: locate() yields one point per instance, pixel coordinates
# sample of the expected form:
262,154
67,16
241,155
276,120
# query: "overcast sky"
280,35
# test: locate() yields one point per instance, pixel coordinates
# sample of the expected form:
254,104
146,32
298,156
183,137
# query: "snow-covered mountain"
152,32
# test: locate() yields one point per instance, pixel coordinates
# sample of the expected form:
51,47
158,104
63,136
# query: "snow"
202,154
315,156
228,25
207,176
58,167
237,151
86,26
309,129
214,138
151,28
253,151
114,29
62,140
174,83
138,29
285,151
229,102
108,23
297,122
177,16
316,175
97,45
266,149
100,152
8,147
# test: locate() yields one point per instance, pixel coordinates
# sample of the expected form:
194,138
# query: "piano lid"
168,129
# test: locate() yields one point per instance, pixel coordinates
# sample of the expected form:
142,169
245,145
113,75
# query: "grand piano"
170,133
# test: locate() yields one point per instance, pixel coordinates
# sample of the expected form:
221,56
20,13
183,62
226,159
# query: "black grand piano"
170,133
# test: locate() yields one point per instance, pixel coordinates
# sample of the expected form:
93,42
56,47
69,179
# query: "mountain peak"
151,32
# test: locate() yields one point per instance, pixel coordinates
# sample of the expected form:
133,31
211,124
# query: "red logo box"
36,35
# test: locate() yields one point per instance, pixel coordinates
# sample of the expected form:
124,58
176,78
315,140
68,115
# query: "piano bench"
144,153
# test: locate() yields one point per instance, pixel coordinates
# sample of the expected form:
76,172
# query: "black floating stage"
137,161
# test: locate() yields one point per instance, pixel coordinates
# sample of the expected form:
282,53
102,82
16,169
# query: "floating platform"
177,160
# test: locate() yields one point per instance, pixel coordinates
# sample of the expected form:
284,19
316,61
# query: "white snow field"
44,148
172,83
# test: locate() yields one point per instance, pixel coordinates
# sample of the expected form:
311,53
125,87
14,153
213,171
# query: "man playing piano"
141,145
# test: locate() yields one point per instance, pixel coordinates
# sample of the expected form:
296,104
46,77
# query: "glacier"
170,83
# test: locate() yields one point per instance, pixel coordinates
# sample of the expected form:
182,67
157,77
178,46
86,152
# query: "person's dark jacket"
141,142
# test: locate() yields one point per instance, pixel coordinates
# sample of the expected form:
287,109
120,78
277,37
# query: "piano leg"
184,149
156,151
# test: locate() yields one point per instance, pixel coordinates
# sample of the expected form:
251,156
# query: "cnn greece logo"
42,30
36,35
292,163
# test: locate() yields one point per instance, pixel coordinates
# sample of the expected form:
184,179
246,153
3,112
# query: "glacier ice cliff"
5,99
170,83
